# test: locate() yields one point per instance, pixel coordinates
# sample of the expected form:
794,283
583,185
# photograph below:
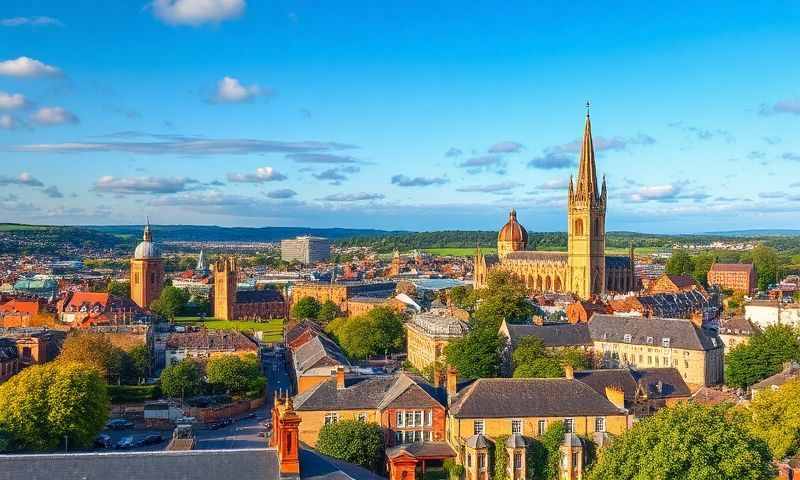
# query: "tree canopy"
680,263
477,354
171,302
377,332
762,356
533,360
182,379
774,416
504,298
328,311
43,404
94,350
687,441
353,441
306,307
235,375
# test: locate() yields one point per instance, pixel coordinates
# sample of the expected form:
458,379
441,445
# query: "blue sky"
399,115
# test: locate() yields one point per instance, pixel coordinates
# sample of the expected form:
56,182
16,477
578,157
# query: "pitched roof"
77,299
672,384
536,256
732,267
423,449
367,392
268,295
22,306
681,333
682,281
302,327
552,334
790,371
316,349
215,340
529,397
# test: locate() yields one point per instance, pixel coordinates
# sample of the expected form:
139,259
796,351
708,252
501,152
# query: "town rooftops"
16,305
655,382
214,340
439,322
8,350
790,371
369,392
319,351
732,267
530,397
552,334
422,450
658,332
267,295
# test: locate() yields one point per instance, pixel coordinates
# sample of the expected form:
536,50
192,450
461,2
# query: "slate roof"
423,449
316,349
214,340
367,392
683,281
477,441
675,304
682,333
790,371
672,384
301,327
732,267
552,334
267,295
534,256
737,325
8,350
249,464
529,397
618,262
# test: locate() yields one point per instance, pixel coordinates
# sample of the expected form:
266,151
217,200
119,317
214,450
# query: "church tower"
147,271
225,272
512,237
586,229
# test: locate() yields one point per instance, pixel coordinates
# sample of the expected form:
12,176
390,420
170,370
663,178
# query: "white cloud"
7,122
33,21
53,116
506,147
142,185
197,12
10,101
26,67
261,175
24,178
351,197
230,90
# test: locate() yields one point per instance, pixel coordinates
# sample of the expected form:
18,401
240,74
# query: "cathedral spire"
587,174
147,236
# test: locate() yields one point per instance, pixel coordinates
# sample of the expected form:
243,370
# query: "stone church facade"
584,270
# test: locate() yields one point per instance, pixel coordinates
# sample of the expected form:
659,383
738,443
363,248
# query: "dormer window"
649,340
665,342
627,338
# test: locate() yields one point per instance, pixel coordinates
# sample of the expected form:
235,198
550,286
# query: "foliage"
119,289
463,297
504,298
140,362
306,307
328,311
543,453
688,441
765,260
235,375
170,303
500,458
378,331
133,393
453,469
533,360
353,441
43,404
477,354
702,264
182,379
762,356
680,263
94,350
774,417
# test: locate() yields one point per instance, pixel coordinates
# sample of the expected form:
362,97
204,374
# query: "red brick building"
739,277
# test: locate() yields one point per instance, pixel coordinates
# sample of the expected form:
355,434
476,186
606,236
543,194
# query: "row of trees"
310,308
228,374
118,366
768,262
380,331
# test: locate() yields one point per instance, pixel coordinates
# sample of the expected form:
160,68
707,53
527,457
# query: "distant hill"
203,233
759,233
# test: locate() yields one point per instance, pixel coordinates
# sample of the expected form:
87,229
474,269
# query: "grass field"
273,329
13,227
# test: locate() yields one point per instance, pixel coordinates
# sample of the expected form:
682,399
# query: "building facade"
306,250
341,293
147,271
429,333
739,277
232,304
584,270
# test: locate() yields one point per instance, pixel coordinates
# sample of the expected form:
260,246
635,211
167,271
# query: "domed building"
147,271
584,270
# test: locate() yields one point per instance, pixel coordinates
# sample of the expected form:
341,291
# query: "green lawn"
457,251
273,329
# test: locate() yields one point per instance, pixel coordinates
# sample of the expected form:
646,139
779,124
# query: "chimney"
452,383
339,377
615,395
437,376
288,441
569,371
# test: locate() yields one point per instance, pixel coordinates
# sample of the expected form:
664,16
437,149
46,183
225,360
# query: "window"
665,342
410,419
600,424
469,460
400,419
541,427
517,461
569,424
649,340
627,338
516,426
482,461
398,437
428,436
331,418
478,427
578,227
418,419
136,278
429,418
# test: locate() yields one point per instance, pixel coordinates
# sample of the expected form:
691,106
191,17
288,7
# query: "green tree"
477,354
328,311
140,362
353,441
766,261
762,356
388,331
702,264
94,350
680,263
533,360
119,289
43,404
306,307
182,379
378,331
774,416
170,303
504,298
544,453
687,441
235,375
463,297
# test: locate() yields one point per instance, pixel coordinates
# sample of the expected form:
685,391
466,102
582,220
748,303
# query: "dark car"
119,424
125,443
103,441
216,425
153,439
250,415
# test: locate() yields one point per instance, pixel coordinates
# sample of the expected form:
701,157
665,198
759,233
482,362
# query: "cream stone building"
584,270
429,333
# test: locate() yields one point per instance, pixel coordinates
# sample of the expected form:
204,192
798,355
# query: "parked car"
216,425
125,443
186,420
119,424
153,439
103,441
249,415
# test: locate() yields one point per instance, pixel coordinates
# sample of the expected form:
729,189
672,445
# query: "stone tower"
147,271
512,237
586,224
225,272
394,270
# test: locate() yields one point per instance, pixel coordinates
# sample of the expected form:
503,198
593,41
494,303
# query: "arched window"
557,285
578,228
548,283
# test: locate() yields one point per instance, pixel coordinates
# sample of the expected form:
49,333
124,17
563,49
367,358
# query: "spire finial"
588,106
147,236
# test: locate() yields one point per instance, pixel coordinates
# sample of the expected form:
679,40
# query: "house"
790,371
674,284
21,312
552,335
764,313
736,330
582,311
302,332
284,458
205,344
739,277
315,360
428,334
697,352
84,309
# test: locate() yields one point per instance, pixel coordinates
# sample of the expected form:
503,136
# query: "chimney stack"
569,371
452,383
339,377
437,376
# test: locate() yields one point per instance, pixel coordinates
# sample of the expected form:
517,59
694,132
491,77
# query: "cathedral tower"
512,237
586,228
147,271
225,272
